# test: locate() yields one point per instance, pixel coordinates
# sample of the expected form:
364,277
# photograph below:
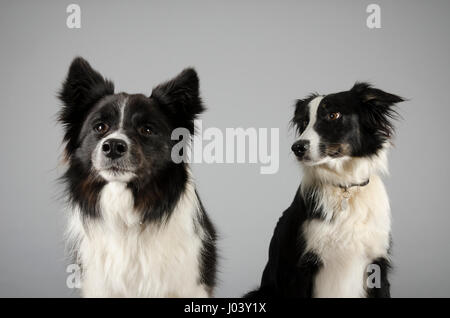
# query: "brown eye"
145,131
101,128
334,116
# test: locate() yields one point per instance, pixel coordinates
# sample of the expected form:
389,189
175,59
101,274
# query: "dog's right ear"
80,91
300,105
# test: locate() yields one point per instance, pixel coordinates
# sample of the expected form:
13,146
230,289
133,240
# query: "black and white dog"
137,227
334,239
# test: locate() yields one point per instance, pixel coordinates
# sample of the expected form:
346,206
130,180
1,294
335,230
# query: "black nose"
114,148
300,147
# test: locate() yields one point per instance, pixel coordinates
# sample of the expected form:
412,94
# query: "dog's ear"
374,96
300,105
378,108
82,88
180,98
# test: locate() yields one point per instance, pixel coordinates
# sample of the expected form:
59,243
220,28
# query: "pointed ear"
80,91
378,111
180,98
299,104
374,96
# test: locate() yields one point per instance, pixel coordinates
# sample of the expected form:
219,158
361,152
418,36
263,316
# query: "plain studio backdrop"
254,58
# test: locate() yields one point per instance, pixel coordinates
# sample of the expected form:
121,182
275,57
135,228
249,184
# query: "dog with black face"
334,239
137,226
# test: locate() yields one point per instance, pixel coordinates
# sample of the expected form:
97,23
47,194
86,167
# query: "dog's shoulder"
289,224
282,276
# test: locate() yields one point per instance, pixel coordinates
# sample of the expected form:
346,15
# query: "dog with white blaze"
137,226
334,239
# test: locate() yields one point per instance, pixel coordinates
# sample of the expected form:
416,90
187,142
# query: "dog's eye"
146,130
334,116
101,128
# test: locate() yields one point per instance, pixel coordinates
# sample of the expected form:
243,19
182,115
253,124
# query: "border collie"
334,239
137,226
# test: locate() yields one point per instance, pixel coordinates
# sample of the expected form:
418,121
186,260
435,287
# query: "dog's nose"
114,148
300,147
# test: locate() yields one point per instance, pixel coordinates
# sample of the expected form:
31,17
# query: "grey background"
254,58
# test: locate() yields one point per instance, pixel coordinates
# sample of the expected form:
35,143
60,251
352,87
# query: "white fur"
351,235
116,177
122,113
122,258
310,133
97,157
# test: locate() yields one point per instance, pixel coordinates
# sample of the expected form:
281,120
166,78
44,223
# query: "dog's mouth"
115,173
307,161
304,158
335,150
117,168
114,170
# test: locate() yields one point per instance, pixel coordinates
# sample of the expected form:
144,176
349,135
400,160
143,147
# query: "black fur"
82,88
181,99
89,100
86,96
384,289
288,272
363,126
208,259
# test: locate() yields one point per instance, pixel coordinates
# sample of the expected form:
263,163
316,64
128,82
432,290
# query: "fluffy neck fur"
346,171
320,184
347,231
122,257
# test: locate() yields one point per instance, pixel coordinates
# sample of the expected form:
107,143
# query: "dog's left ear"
180,98
374,96
378,108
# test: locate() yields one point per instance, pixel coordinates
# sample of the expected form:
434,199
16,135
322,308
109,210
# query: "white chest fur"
351,236
122,258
